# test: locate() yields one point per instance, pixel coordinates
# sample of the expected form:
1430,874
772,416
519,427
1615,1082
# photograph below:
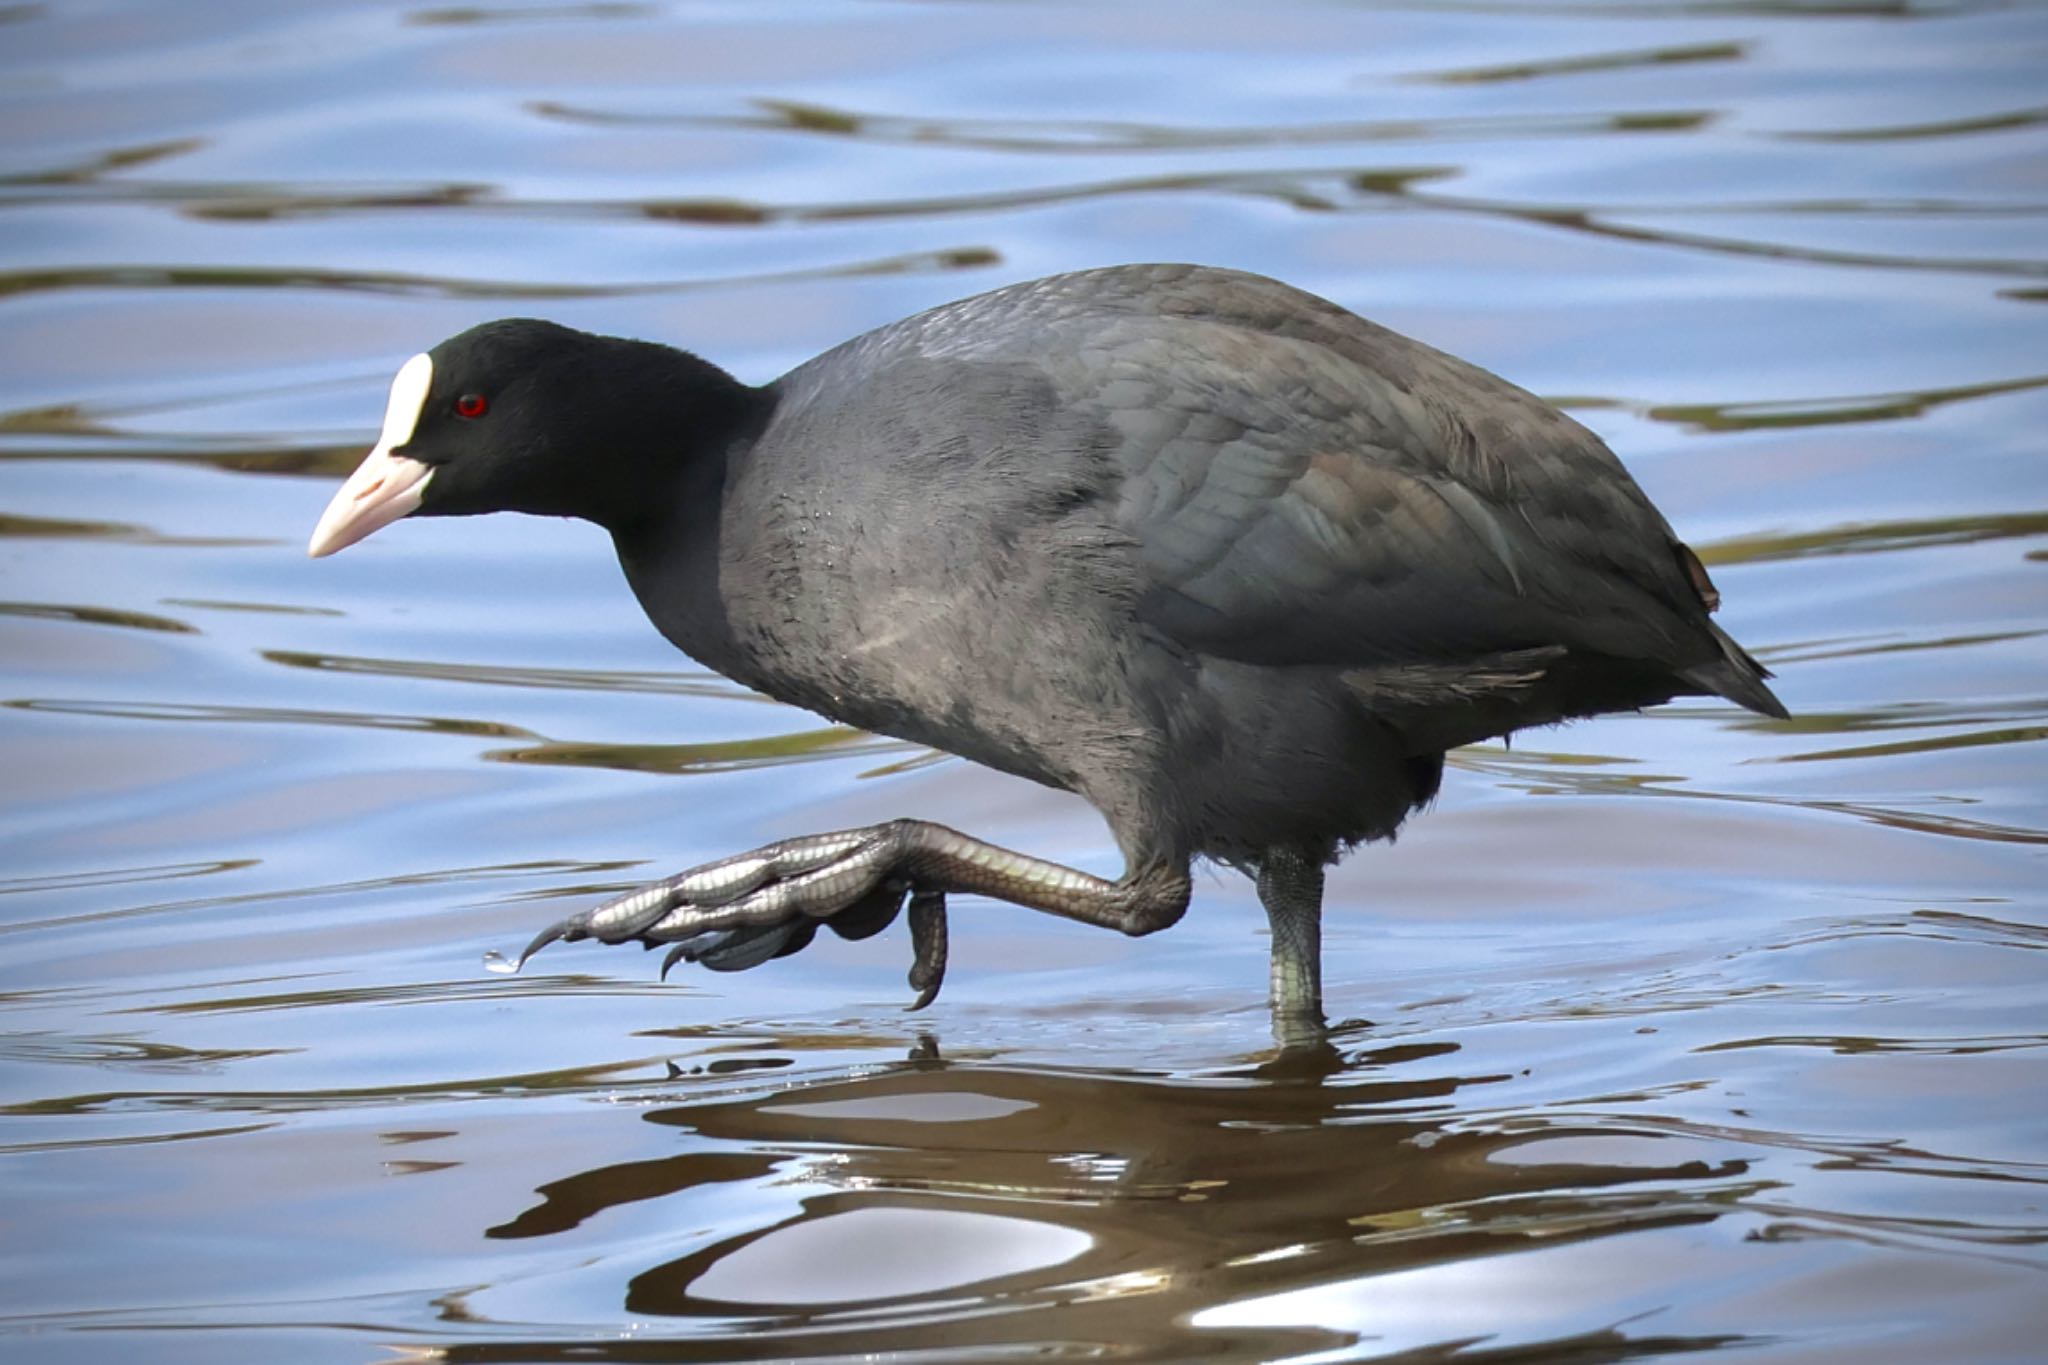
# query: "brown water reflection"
1185,1196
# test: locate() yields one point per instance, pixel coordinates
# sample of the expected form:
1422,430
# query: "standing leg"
1291,889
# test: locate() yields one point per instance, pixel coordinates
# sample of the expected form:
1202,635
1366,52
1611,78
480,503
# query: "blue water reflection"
1690,1032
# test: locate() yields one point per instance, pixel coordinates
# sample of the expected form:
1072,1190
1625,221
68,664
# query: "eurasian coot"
1229,561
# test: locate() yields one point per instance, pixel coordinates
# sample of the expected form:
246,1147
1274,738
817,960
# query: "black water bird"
1229,561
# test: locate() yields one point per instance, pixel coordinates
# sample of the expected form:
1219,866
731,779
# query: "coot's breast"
925,549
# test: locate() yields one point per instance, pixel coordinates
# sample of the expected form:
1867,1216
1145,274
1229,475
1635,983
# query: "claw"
927,946
676,954
562,931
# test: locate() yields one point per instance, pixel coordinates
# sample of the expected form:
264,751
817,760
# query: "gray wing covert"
1291,506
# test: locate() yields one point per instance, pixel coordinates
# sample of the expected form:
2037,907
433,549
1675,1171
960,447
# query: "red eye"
472,405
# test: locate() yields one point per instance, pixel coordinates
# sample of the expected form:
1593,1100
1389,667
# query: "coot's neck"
668,526
657,461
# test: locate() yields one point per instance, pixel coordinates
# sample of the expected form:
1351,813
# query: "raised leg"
741,911
1291,889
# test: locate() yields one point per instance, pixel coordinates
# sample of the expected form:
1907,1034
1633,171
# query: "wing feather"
1304,487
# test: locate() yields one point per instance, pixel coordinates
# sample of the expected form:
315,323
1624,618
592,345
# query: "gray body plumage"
1229,561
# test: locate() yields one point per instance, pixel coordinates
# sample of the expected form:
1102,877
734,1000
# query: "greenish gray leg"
1291,889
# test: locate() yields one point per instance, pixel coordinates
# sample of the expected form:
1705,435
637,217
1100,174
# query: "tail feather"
1736,676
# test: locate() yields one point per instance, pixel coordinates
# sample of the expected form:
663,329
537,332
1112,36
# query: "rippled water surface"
1691,1032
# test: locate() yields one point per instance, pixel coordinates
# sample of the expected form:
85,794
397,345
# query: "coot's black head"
522,415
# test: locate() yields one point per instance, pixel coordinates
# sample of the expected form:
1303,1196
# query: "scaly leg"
741,911
1291,889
